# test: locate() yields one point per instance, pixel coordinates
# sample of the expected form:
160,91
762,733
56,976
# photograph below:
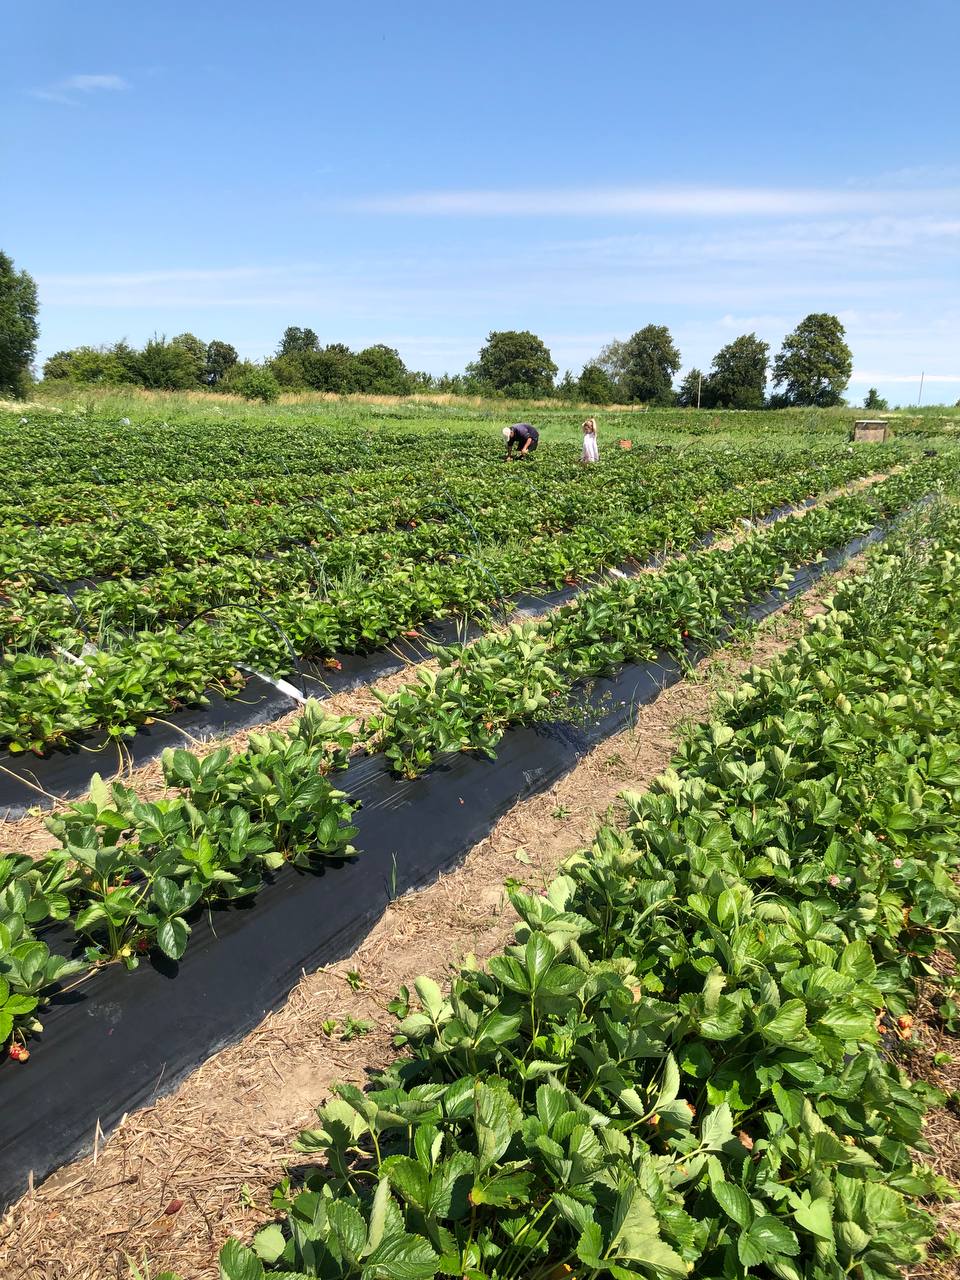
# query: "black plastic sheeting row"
121,1039
28,781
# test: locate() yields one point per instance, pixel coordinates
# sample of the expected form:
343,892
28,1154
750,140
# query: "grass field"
460,412
711,1043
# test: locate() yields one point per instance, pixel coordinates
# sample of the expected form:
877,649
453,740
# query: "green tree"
643,367
58,366
296,339
875,401
288,371
595,385
567,388
93,365
515,360
196,348
738,375
18,327
814,364
380,371
221,357
128,358
459,384
333,369
88,366
166,366
691,389
254,382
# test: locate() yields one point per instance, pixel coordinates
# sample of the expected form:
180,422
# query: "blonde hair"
591,426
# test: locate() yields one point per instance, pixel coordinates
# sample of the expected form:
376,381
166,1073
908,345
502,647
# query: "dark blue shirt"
523,431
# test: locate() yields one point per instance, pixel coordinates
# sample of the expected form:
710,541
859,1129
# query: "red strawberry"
905,1026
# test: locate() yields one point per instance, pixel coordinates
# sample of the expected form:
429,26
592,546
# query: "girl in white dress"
590,451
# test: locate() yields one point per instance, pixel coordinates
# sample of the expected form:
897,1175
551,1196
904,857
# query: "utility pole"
920,394
699,385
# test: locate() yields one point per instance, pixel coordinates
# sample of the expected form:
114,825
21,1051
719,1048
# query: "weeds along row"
688,1061
130,877
129,650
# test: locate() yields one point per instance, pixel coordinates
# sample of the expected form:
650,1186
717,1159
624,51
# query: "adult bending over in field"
525,437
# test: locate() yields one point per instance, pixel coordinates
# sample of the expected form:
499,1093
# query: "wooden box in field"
871,431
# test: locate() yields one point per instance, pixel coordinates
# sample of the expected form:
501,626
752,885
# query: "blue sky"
422,173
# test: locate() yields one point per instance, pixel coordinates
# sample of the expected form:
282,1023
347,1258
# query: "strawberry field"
688,1060
138,574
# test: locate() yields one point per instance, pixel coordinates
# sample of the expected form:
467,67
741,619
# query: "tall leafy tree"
738,375
875,401
18,327
128,358
381,371
196,348
515,360
59,366
643,366
221,357
595,385
166,366
814,364
96,365
108,365
296,339
567,388
691,389
331,369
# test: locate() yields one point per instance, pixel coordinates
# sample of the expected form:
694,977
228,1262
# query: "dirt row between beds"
176,1178
29,834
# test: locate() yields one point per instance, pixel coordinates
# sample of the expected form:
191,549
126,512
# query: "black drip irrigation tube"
28,781
274,626
118,1040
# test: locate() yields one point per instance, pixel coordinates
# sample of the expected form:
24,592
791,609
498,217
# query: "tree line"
812,367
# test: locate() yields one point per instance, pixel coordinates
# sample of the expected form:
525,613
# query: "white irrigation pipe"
283,685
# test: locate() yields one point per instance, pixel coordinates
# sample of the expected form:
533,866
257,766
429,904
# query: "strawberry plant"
356,594
483,687
131,875
676,1067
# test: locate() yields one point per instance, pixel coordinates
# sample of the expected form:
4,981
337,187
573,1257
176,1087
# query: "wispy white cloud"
823,239
918,175
73,89
175,275
681,201
871,377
